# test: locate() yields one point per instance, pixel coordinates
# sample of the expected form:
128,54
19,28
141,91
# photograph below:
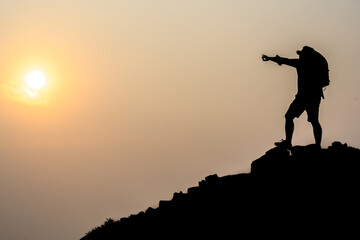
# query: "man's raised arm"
280,60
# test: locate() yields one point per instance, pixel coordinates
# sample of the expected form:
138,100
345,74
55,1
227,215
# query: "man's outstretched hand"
265,58
276,59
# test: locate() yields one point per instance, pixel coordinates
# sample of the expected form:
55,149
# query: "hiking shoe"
283,144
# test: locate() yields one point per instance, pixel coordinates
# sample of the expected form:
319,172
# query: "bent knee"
289,117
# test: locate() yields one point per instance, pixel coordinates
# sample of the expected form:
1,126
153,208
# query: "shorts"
299,105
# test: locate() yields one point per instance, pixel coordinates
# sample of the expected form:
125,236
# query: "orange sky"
146,98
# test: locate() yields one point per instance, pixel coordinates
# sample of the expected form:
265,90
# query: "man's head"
306,51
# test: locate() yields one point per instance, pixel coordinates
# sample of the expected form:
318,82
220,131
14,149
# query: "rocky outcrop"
305,192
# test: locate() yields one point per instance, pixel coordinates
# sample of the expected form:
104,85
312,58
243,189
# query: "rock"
299,193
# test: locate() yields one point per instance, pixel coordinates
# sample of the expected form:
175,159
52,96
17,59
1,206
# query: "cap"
306,49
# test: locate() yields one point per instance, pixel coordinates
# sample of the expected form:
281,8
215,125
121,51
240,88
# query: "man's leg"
295,110
313,118
289,129
317,132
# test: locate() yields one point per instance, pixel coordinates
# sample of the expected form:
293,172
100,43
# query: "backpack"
322,69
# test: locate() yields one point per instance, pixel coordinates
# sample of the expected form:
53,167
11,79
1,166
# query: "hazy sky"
146,98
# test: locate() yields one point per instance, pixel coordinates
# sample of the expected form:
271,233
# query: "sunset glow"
108,107
31,89
35,80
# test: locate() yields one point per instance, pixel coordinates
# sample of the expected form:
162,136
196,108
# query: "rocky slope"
299,193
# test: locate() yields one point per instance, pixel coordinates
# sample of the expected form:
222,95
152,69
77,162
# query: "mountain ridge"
299,192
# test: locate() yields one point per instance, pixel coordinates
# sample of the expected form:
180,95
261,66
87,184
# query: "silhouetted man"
310,69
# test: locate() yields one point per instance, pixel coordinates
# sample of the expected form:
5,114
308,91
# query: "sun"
31,84
35,80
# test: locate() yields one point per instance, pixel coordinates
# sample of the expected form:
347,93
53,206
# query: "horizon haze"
145,98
